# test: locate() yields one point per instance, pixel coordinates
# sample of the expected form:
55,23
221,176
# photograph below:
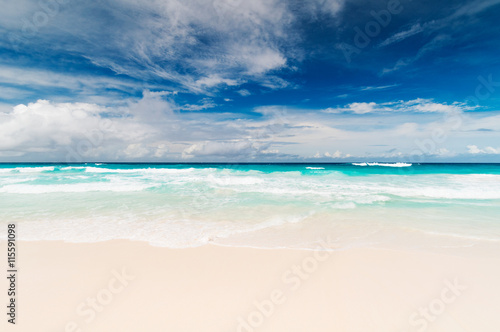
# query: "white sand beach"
131,286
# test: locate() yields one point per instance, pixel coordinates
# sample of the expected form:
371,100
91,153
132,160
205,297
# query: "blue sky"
235,80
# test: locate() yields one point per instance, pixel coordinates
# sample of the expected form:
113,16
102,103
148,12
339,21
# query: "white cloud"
261,61
200,45
437,42
362,108
402,35
232,149
427,105
485,124
206,103
82,131
214,80
443,152
437,27
382,87
473,149
87,87
244,92
148,128
8,93
153,128
320,7
335,155
416,105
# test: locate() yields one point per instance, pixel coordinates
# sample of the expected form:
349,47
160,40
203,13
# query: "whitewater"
260,205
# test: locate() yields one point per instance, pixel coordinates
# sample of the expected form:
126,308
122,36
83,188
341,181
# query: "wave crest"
383,164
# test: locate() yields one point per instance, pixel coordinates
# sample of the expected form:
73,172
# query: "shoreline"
136,286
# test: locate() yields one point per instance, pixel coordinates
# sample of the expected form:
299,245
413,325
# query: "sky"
250,81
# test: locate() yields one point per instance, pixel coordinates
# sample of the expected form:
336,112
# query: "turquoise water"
183,205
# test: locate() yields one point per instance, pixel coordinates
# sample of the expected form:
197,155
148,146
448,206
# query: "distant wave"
70,168
27,169
315,168
383,164
90,169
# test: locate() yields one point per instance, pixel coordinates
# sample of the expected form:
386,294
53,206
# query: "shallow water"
271,205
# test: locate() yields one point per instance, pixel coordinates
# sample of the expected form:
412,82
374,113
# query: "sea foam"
383,164
191,205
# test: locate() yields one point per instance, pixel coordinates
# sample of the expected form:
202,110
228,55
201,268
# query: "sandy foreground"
132,286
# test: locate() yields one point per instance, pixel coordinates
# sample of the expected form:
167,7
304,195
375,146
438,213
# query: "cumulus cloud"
361,108
72,131
214,80
231,149
156,128
151,128
335,155
473,149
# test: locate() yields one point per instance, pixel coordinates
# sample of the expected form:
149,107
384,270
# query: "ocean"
259,205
